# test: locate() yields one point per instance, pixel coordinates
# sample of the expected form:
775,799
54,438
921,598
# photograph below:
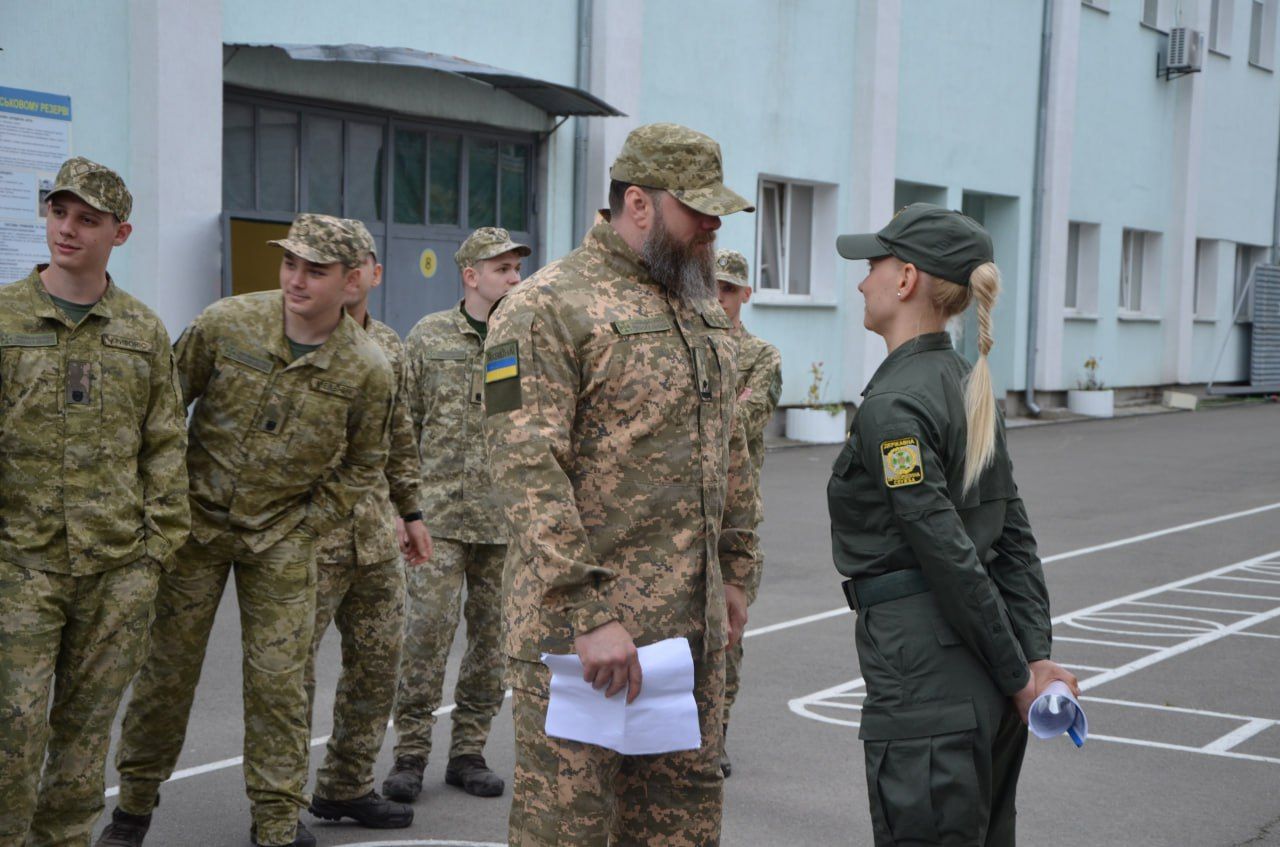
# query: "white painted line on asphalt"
1070,554
1075,667
428,842
1191,608
1251,579
1183,748
1239,736
1257,634
1227,594
1151,647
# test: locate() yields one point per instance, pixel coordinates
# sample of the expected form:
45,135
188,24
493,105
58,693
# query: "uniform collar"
322,356
920,344
42,305
461,323
603,239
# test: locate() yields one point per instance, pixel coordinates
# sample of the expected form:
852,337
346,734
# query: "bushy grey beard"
685,270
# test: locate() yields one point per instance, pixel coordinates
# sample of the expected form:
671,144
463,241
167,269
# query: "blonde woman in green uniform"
953,630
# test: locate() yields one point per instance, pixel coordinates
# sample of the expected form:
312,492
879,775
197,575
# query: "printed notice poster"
35,138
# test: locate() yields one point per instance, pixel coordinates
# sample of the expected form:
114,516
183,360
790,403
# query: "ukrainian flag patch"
502,362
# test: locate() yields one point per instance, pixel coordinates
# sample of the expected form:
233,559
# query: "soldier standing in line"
759,387
360,584
290,429
610,403
93,500
446,374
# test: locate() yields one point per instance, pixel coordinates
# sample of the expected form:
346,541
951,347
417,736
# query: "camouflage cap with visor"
367,244
731,267
938,241
486,243
323,239
682,161
97,185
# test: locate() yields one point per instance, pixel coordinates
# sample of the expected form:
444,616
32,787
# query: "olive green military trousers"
434,599
83,637
943,747
571,794
366,602
276,593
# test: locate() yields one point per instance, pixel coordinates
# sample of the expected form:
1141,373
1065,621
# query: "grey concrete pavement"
1174,773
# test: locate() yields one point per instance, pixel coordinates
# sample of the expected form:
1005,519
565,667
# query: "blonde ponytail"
979,400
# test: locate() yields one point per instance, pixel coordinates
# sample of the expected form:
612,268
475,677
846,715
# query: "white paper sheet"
663,719
1056,711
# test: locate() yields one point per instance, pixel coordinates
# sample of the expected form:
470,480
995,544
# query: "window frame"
1259,255
822,266
1262,34
1204,292
1086,263
1221,27
1161,22
1103,6
1149,271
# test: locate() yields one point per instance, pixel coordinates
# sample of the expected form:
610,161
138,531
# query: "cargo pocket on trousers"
921,775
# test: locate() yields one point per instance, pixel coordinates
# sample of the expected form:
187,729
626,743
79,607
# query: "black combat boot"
404,783
125,830
473,776
371,810
302,836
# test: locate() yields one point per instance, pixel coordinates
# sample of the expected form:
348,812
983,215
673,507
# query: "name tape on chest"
640,326
28,339
337,389
902,463
121,342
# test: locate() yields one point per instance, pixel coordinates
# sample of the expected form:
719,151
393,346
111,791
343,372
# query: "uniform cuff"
590,615
1013,679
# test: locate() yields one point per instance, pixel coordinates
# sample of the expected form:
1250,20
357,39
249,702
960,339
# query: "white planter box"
815,426
1095,404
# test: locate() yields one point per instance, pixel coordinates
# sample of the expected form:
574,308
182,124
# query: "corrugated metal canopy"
552,97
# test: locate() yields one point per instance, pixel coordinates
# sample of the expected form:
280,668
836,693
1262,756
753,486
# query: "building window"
1139,272
1248,257
1153,14
793,219
1080,295
1262,33
1100,5
1206,281
1220,19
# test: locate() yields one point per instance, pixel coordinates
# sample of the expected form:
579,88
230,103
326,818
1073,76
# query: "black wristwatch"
411,517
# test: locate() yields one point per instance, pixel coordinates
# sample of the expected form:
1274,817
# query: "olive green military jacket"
759,388
612,439
896,502
369,535
92,434
446,400
277,442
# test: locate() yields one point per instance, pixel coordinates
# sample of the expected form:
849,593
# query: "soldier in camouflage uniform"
290,430
759,387
92,503
610,403
360,583
446,374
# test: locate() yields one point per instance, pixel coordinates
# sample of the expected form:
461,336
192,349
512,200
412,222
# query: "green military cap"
485,243
97,185
682,161
323,239
731,267
367,244
938,241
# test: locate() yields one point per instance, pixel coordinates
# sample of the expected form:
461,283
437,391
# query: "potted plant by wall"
816,422
1090,397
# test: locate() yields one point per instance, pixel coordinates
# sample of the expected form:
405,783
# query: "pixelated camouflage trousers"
732,678
570,793
276,593
366,602
434,597
84,637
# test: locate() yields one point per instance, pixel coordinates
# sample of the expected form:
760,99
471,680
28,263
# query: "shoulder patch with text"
502,378
902,464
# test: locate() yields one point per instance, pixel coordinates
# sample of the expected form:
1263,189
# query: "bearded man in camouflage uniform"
290,430
360,584
610,382
93,500
445,392
759,387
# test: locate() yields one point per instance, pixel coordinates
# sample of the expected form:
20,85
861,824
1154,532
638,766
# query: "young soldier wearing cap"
445,395
290,429
759,387
360,585
92,503
610,403
928,528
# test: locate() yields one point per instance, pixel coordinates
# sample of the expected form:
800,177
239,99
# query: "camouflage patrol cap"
323,239
97,185
485,243
367,244
731,267
682,161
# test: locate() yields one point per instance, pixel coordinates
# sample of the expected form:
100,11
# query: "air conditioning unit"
1186,47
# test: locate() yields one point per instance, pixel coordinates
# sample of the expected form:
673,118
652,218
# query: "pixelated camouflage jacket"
624,476
369,535
275,441
446,398
92,434
759,388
